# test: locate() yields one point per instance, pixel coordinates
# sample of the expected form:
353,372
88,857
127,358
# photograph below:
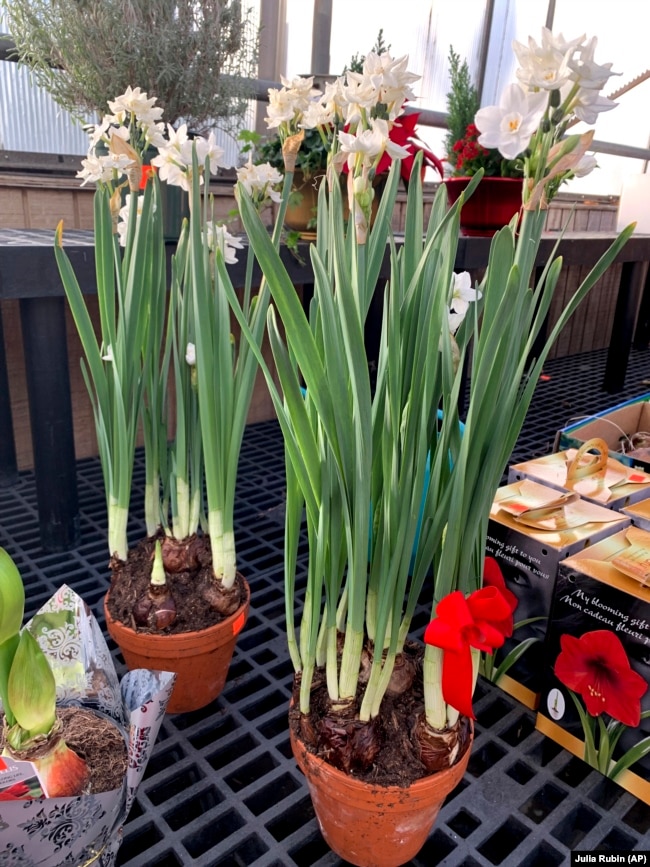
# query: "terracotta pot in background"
301,209
370,825
491,206
200,659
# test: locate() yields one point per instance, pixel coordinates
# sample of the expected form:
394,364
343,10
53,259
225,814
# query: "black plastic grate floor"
222,788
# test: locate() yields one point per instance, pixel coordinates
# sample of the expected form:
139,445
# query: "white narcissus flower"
585,166
108,355
190,354
317,114
260,181
219,238
372,142
585,71
509,125
462,295
396,80
101,168
589,104
134,101
544,66
207,148
125,215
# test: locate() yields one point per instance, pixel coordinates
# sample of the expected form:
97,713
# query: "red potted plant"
498,196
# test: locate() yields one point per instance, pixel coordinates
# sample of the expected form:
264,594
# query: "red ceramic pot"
492,205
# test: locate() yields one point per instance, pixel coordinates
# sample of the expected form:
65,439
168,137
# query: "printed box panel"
595,699
532,528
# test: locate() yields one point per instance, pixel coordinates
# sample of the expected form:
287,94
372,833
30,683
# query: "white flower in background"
462,295
395,85
301,86
108,355
288,104
371,142
361,94
207,148
219,238
317,114
190,354
134,102
260,182
333,99
96,168
588,105
545,66
124,216
585,71
509,125
585,166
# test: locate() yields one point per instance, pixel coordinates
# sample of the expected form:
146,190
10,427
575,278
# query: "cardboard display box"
588,471
639,514
602,597
532,527
618,427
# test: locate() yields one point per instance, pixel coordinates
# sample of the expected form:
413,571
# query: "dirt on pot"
390,742
198,601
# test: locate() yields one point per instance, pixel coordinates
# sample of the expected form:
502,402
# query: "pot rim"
230,626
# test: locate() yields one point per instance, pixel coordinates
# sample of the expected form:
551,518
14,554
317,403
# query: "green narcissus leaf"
12,597
31,690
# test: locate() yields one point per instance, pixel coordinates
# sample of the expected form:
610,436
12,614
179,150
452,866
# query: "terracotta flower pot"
200,659
301,212
491,206
370,825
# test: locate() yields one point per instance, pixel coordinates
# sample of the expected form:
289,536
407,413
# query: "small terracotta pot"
491,206
370,825
200,659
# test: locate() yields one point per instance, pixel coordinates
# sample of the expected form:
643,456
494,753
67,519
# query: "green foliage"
194,56
380,47
462,102
311,159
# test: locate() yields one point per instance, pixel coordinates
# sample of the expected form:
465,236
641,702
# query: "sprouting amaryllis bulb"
31,691
62,772
156,607
12,597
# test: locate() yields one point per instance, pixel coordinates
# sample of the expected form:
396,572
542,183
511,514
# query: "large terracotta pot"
301,208
491,206
370,825
200,659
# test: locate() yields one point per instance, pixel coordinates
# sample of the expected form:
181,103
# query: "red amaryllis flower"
596,666
493,577
459,625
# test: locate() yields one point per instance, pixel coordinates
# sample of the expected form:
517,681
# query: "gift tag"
18,780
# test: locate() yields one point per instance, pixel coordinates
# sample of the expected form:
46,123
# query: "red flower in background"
493,577
596,666
460,625
403,133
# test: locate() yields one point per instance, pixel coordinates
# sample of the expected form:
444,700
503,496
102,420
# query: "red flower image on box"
493,577
596,666
461,623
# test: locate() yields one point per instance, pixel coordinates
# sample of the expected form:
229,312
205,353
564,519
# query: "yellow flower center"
513,125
